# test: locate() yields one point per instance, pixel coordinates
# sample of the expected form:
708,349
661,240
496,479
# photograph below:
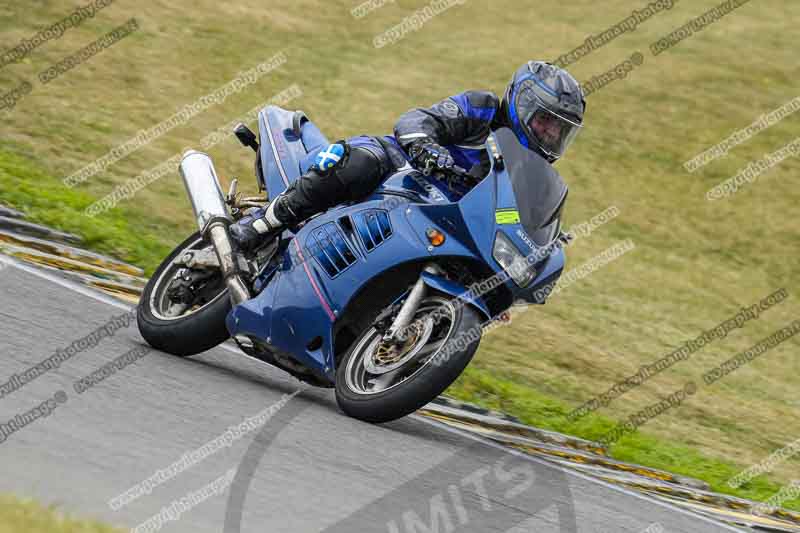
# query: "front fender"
457,291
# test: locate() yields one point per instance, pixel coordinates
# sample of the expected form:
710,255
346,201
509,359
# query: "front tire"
373,387
198,328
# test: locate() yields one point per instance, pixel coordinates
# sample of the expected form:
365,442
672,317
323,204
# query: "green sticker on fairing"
506,216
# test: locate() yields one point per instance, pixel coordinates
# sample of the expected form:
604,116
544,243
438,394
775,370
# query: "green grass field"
17,516
696,262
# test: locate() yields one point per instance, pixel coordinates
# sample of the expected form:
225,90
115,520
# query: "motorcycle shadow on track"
478,487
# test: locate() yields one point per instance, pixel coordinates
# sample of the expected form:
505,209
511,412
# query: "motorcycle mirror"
246,136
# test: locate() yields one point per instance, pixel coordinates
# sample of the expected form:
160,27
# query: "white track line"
96,295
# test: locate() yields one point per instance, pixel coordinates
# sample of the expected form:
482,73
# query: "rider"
543,105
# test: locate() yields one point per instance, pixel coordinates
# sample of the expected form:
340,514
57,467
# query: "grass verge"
484,388
20,516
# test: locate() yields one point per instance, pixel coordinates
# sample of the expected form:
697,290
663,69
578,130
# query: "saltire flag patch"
328,158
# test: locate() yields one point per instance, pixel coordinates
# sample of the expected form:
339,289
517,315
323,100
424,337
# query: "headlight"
512,261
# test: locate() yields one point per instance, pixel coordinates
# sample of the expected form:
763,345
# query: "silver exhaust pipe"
202,186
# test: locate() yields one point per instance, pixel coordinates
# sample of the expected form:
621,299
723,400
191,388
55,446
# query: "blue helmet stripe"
512,109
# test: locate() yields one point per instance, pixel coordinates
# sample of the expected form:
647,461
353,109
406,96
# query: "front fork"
395,333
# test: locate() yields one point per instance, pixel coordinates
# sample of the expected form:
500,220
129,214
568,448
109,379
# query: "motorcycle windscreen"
539,190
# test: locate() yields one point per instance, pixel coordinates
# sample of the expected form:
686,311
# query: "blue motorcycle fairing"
428,190
301,303
249,318
447,219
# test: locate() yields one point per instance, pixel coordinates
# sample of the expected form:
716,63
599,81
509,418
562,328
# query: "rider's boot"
260,226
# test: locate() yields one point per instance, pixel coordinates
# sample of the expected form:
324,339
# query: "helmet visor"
551,132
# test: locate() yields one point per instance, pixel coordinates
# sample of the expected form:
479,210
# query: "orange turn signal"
435,237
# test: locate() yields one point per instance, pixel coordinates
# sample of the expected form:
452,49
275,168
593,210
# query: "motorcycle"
383,300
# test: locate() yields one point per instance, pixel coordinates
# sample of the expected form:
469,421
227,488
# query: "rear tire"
186,335
435,374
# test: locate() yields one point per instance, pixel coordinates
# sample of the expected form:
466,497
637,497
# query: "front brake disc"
382,357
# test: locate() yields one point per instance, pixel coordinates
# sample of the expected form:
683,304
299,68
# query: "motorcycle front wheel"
379,382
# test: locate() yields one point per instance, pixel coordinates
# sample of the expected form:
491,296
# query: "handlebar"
455,169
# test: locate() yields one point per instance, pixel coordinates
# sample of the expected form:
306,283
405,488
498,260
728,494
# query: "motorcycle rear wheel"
377,384
183,332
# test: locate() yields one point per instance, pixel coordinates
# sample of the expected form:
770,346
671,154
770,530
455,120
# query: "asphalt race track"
307,469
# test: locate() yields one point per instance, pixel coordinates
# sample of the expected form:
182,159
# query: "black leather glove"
427,156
